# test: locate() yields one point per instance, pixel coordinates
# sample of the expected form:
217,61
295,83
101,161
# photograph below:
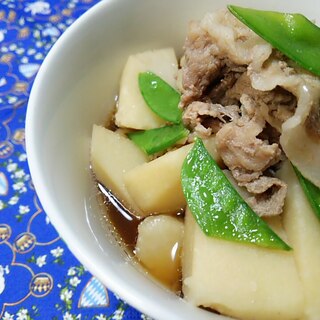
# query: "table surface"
39,276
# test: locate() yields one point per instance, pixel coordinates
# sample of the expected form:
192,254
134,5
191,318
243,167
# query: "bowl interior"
75,88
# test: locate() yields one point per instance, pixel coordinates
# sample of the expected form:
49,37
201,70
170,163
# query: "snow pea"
311,191
159,139
161,98
292,34
217,207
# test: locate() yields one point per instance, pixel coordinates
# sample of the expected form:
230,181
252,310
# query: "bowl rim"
134,296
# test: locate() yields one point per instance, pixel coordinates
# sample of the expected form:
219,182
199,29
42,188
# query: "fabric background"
39,276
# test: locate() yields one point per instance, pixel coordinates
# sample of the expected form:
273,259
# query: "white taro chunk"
132,111
155,186
303,229
159,246
112,155
244,281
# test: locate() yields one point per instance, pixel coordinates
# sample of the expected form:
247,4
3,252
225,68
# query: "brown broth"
125,224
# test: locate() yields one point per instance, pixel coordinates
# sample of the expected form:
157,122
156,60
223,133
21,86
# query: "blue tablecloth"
39,276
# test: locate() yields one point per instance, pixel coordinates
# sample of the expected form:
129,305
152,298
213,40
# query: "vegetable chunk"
111,156
159,247
159,139
239,280
155,186
303,229
133,111
161,98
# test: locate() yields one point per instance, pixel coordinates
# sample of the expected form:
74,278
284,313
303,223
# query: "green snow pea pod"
292,34
159,139
217,207
161,98
311,191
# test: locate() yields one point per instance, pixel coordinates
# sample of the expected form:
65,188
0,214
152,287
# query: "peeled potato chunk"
303,229
243,281
155,186
132,110
112,155
159,246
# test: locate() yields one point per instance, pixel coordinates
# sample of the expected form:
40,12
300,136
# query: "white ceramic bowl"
74,89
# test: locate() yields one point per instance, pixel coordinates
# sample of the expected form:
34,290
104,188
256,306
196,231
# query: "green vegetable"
217,207
155,140
311,191
160,97
292,34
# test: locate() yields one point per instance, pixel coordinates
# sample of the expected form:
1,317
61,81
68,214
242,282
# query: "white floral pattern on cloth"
39,277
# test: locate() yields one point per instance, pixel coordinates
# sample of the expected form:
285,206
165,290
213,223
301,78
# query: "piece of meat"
217,50
238,145
208,118
272,98
270,134
235,41
216,92
276,105
313,122
244,176
266,195
200,65
299,140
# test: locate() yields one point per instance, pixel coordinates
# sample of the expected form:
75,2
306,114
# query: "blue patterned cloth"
39,276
